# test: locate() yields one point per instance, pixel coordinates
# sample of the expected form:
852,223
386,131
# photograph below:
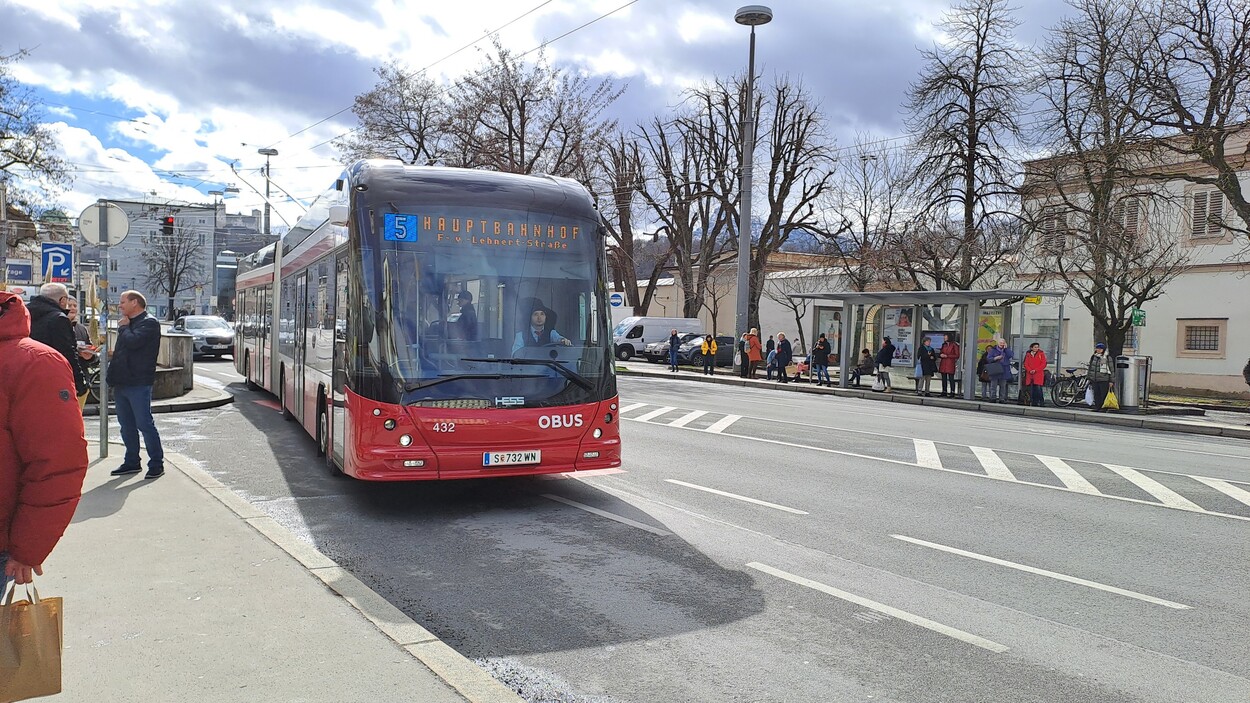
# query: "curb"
457,671
1141,422
172,405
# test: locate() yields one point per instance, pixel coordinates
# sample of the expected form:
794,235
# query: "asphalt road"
764,546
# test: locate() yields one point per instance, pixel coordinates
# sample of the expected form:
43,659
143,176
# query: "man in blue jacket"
131,373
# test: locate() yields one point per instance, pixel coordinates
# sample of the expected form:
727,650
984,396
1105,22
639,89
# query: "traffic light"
167,226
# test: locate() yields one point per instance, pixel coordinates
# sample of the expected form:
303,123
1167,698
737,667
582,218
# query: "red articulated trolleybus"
438,323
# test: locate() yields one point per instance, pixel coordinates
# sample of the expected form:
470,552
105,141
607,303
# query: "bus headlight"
405,440
597,433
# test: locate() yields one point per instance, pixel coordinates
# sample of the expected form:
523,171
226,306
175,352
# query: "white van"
633,334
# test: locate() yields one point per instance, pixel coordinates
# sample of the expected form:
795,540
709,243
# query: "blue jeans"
134,415
822,374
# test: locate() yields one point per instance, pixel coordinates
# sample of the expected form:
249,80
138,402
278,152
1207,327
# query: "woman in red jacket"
1035,373
43,450
948,362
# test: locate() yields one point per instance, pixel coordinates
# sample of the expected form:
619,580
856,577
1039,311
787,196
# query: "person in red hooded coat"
43,450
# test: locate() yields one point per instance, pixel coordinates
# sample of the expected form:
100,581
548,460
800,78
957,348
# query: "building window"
1127,214
1201,338
1053,238
1206,211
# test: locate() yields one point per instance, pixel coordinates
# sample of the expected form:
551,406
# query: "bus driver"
539,334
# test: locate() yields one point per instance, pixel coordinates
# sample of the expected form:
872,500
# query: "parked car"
691,351
657,352
211,335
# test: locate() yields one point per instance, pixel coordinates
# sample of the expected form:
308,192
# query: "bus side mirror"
339,215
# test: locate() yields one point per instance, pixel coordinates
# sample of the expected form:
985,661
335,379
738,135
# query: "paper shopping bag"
30,646
1111,403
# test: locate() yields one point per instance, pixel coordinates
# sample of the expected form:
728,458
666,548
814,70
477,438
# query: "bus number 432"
444,427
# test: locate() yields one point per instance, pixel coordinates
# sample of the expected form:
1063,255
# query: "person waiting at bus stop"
1099,372
539,333
708,349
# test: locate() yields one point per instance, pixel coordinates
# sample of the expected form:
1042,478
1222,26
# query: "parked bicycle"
1070,388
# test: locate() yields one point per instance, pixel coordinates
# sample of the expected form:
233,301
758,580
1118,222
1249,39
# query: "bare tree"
800,170
1197,73
518,117
687,161
964,110
780,286
617,171
719,285
1100,229
870,198
28,146
175,262
404,116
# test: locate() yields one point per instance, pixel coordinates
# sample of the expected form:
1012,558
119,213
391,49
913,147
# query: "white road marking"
992,464
610,516
1044,572
1069,476
735,496
1240,495
723,424
1195,451
632,406
1166,495
687,418
962,472
882,608
652,414
927,454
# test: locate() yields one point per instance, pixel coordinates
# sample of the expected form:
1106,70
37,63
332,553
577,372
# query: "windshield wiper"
410,387
549,363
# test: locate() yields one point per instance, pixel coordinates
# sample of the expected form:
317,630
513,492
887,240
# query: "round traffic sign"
616,300
89,223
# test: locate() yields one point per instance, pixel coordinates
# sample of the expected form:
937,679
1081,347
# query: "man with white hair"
50,324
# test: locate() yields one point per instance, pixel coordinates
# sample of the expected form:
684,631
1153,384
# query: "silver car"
210,335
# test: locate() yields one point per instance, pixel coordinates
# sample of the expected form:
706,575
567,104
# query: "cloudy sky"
162,95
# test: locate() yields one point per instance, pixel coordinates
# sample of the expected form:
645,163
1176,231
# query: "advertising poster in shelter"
900,328
989,327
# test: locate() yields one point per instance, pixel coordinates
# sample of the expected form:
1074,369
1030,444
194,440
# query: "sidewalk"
177,589
197,398
1190,424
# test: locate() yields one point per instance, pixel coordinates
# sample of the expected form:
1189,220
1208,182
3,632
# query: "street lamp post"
751,16
267,152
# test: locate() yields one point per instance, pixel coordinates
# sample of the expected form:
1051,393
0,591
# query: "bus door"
338,382
260,364
301,341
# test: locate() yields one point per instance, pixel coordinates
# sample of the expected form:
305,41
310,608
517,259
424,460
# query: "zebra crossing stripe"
1240,495
992,463
1069,476
927,454
1166,495
632,406
653,414
723,424
687,418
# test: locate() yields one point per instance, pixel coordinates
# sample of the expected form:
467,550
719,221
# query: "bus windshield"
490,321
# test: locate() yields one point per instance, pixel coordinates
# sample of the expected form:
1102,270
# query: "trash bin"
1130,381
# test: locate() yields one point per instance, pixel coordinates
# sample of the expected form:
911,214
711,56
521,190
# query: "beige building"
1198,332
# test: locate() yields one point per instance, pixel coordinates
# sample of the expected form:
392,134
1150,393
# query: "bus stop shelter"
854,302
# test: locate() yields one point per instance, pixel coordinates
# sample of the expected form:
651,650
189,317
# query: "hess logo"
555,422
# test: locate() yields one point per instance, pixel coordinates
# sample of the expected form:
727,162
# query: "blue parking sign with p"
58,262
399,228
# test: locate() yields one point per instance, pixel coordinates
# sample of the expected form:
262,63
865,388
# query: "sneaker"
125,470
154,473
